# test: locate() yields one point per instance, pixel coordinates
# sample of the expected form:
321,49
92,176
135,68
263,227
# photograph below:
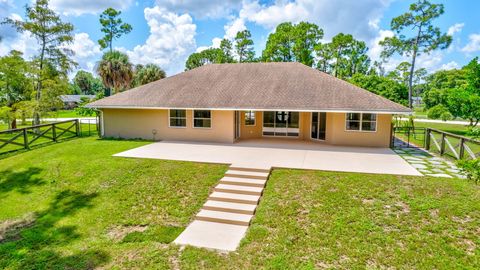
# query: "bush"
470,168
474,132
439,112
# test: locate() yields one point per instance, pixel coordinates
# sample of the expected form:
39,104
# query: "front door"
281,124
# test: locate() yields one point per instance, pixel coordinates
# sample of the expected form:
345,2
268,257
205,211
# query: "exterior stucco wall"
336,133
133,123
250,132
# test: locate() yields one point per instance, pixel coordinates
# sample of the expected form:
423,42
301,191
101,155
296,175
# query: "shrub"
470,168
439,112
474,132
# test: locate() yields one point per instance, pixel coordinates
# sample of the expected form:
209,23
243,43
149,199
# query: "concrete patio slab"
280,153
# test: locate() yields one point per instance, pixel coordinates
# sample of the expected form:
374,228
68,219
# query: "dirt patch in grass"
9,229
117,233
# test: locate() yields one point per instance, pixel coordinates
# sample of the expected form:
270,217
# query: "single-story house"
229,102
72,101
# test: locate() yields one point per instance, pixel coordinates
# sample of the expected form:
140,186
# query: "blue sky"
165,32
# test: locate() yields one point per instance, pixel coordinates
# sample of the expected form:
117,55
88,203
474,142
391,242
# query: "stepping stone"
243,181
419,166
224,217
440,175
239,208
247,174
219,236
239,189
235,198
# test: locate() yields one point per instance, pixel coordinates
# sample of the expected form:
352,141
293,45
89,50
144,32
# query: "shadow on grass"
34,243
21,181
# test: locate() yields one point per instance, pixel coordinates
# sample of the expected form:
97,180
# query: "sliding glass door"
319,120
281,123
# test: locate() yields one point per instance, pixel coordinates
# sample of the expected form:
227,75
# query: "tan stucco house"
229,102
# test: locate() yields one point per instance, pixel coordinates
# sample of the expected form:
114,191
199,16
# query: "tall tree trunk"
410,79
14,123
38,96
412,68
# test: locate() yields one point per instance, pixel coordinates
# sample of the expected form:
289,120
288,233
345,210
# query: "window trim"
193,119
254,118
360,123
169,118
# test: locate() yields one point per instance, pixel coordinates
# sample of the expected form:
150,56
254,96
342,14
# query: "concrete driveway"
280,153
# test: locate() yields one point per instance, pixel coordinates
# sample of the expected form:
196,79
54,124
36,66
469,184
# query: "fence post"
77,127
462,148
427,139
54,132
408,137
25,138
442,145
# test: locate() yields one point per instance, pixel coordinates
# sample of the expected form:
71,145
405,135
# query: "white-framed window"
177,118
250,118
202,119
361,122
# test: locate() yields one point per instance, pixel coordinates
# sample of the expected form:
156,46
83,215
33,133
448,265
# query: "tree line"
345,56
32,88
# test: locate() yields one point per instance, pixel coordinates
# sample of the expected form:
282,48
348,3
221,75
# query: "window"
361,122
178,118
250,118
202,119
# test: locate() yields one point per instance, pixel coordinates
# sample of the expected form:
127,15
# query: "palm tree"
115,70
146,74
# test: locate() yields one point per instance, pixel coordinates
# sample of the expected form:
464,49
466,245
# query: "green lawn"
72,205
66,114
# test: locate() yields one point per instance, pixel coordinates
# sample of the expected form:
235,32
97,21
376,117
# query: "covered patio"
280,153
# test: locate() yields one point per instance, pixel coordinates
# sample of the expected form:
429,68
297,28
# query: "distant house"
72,101
230,102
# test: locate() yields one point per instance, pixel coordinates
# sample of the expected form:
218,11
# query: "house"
229,102
72,101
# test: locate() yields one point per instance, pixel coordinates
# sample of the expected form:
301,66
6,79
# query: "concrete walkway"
224,218
280,153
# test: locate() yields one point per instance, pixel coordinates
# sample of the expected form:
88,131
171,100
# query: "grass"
66,114
72,205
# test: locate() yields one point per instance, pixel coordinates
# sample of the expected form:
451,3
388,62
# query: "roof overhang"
253,109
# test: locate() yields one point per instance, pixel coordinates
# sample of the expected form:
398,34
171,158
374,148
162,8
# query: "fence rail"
411,136
24,138
446,143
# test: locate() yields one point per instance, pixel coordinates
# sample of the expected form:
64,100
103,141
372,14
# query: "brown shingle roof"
258,86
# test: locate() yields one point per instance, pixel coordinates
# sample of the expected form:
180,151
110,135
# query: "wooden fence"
24,138
410,136
450,144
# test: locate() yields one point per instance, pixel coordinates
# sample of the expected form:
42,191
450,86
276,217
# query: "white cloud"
233,27
79,7
456,28
87,52
171,40
201,8
450,65
473,44
215,44
359,18
375,49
